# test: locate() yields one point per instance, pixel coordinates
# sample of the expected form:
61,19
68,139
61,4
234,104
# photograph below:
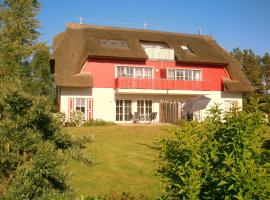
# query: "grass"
126,161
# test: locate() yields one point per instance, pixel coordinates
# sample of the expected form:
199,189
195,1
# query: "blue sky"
233,23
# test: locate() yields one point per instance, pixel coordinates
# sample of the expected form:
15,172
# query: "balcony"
159,53
162,84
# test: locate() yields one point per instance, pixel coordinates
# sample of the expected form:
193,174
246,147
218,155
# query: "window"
144,108
134,72
138,72
120,44
158,45
130,72
123,110
186,49
120,71
148,73
229,105
80,104
184,74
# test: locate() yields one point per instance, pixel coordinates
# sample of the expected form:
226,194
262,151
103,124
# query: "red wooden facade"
103,71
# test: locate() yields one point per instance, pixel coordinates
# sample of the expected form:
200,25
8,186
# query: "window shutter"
70,107
89,108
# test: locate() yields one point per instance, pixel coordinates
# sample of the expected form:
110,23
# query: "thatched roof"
73,47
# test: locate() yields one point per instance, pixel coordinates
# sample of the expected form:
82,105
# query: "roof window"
119,44
186,49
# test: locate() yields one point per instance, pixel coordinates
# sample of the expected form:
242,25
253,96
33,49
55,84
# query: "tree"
39,80
18,35
250,64
217,159
237,54
32,145
28,148
266,70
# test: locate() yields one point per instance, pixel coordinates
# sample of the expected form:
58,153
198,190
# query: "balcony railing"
161,84
158,53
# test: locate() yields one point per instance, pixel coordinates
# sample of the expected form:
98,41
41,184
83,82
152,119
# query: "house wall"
103,71
104,99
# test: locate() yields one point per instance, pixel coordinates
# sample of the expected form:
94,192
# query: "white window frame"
229,104
80,103
185,70
125,116
145,107
134,71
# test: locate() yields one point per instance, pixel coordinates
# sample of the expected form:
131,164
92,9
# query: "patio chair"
153,116
135,117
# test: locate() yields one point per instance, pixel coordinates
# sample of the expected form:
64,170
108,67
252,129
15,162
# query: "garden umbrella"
195,104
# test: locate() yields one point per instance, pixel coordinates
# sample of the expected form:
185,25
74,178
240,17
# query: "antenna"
200,31
145,25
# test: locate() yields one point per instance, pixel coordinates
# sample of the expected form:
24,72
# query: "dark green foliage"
265,70
18,35
217,159
250,64
39,79
29,165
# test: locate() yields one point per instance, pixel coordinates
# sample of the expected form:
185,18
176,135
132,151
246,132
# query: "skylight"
120,44
186,49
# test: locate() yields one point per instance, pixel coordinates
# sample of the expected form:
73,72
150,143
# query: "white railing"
159,53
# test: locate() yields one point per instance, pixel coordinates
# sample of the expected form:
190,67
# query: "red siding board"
103,71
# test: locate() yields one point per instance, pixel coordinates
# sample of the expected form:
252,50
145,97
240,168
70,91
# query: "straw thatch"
73,47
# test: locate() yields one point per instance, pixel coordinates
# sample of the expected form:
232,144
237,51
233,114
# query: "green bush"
216,159
60,118
98,122
33,149
77,118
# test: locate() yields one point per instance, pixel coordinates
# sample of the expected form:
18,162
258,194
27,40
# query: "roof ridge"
86,26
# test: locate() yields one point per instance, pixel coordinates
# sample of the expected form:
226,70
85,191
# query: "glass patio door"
123,110
144,109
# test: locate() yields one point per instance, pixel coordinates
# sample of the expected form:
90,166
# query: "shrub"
60,118
98,122
216,159
77,118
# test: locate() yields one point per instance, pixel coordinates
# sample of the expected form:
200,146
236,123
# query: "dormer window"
119,44
186,49
157,50
154,45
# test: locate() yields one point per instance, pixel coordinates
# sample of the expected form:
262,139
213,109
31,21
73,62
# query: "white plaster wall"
220,97
69,92
104,99
104,104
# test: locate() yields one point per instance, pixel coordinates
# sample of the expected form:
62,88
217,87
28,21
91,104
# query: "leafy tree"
39,80
33,149
237,54
27,138
217,159
32,145
18,35
265,70
250,64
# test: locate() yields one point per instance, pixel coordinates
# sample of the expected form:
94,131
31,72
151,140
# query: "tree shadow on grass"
154,146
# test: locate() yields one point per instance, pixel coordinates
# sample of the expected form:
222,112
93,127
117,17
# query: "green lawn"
126,160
